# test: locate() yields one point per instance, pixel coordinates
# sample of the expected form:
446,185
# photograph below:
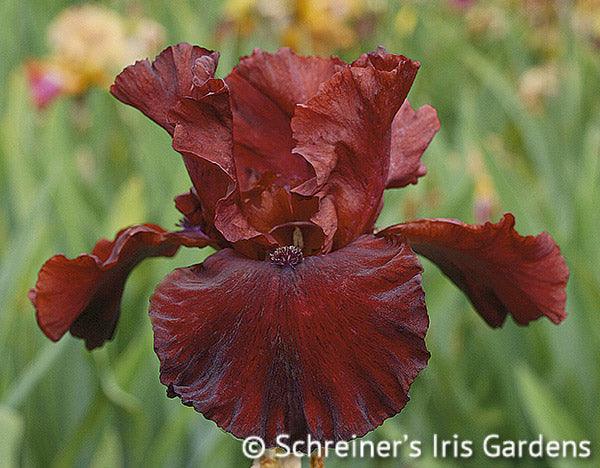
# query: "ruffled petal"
204,136
499,270
265,89
154,88
411,134
326,219
344,132
83,295
188,204
179,92
327,346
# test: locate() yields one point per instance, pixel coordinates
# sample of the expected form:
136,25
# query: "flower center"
290,255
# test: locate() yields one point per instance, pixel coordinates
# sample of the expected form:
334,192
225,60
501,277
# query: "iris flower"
306,320
89,44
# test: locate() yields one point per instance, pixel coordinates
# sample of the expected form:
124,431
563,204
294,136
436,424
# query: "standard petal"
344,132
154,88
265,89
499,270
412,131
327,347
204,136
179,92
83,295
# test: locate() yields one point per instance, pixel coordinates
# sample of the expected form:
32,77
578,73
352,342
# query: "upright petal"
327,346
500,271
412,131
204,136
179,92
155,87
344,132
83,295
265,89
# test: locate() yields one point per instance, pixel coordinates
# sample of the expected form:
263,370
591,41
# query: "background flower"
306,25
88,45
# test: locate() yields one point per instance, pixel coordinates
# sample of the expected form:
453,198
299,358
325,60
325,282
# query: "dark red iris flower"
306,320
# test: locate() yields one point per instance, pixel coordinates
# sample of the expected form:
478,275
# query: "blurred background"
517,87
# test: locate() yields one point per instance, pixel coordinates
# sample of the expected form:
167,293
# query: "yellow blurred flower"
241,15
586,19
406,19
537,84
544,26
320,26
89,44
487,20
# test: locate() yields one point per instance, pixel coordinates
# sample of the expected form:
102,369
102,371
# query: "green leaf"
109,453
39,367
129,206
546,414
11,427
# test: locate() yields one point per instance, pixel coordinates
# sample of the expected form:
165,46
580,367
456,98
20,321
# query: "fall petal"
344,132
154,88
412,131
83,295
502,272
327,347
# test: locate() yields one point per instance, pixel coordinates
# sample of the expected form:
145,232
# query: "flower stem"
317,461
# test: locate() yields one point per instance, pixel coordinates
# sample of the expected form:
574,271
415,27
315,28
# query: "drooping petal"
502,272
412,131
344,132
327,346
83,295
154,88
265,88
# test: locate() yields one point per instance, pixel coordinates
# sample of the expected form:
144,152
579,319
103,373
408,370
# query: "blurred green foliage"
63,185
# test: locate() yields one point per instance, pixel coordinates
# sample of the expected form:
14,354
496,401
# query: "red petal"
204,136
265,89
190,207
233,224
345,131
329,347
179,93
411,134
83,295
154,88
500,271
326,219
